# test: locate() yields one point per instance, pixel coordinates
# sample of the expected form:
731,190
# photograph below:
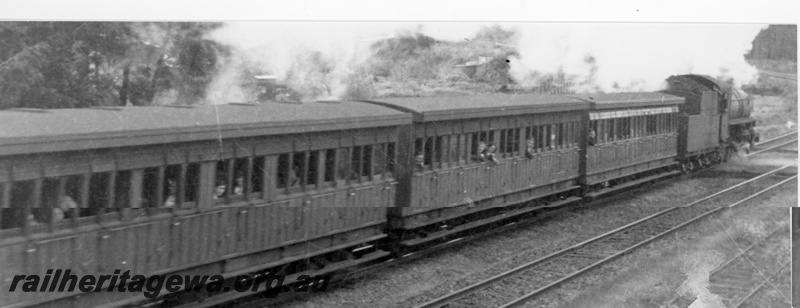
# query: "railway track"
779,75
752,270
774,143
546,273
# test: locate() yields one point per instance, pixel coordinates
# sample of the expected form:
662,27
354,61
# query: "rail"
775,143
619,239
779,75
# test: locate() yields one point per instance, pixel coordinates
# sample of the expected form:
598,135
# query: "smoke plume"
319,59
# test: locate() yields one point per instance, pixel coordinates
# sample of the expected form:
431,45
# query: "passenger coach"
635,139
448,186
225,189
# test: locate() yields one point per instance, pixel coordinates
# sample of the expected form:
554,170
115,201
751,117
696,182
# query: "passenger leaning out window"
592,137
238,187
64,207
419,162
172,188
480,156
490,155
530,148
220,189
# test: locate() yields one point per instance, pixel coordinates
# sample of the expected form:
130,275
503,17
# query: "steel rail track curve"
599,259
779,141
790,135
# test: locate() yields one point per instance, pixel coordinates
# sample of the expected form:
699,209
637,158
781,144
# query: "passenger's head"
419,158
481,146
219,191
529,143
491,148
591,133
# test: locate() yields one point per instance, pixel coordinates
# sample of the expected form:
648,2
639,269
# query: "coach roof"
480,106
629,100
44,130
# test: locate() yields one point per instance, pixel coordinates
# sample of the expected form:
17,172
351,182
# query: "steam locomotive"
321,187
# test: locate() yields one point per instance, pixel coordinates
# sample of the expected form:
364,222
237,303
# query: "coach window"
284,175
504,148
231,179
391,157
150,188
312,173
379,160
257,175
600,132
122,188
58,199
99,192
342,163
300,167
438,151
572,129
356,164
366,161
20,211
329,175
426,149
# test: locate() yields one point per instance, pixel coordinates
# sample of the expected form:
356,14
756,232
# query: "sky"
634,44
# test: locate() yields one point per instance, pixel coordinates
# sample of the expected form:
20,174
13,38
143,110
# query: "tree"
80,64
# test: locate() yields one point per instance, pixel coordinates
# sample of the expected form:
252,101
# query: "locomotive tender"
316,187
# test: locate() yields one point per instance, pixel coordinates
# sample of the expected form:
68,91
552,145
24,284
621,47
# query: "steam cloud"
634,57
316,58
